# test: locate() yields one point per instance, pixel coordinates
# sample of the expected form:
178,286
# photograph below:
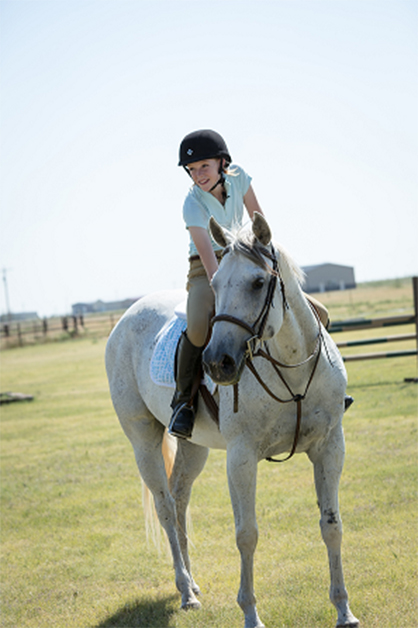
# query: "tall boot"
187,366
348,400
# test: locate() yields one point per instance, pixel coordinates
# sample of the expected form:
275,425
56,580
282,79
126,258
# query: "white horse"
291,399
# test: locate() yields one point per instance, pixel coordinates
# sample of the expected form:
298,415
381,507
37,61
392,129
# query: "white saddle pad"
162,361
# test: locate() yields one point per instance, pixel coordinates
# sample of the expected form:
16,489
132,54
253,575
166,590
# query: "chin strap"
221,179
219,182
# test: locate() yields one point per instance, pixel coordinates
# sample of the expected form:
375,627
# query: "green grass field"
74,552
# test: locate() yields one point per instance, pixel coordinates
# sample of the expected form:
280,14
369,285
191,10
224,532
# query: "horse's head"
247,299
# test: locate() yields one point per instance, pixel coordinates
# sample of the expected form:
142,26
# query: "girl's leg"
200,304
188,364
200,308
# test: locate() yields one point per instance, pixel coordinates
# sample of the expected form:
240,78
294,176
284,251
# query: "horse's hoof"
352,624
191,606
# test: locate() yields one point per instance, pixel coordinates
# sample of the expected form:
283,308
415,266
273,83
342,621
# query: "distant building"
19,316
101,306
326,277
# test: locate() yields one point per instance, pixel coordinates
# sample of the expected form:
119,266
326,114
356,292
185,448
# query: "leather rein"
256,335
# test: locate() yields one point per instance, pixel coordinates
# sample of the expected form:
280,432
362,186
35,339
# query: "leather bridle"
268,303
257,334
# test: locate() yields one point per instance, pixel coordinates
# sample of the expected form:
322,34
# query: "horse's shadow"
143,614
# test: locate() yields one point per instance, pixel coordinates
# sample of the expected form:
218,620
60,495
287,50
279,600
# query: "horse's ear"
217,233
261,230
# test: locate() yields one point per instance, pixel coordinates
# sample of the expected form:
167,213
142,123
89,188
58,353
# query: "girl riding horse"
220,189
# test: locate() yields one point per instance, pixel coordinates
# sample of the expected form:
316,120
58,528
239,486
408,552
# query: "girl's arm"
203,244
251,203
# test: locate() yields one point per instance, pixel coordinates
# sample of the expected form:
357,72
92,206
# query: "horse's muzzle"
222,368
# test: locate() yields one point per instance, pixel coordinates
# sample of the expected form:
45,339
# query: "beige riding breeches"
200,303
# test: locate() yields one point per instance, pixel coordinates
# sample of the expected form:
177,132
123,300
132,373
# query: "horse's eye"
258,283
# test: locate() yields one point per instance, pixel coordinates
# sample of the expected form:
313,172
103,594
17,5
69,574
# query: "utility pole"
6,294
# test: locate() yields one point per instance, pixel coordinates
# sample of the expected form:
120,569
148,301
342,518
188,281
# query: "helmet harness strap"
221,180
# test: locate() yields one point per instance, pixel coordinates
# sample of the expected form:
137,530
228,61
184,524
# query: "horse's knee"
246,538
331,528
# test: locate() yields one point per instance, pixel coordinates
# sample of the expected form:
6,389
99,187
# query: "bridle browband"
257,335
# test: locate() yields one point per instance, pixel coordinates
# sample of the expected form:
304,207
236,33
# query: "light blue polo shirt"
199,206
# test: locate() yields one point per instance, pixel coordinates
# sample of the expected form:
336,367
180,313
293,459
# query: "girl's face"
205,173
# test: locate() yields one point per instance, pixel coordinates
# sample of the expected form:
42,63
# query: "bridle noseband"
257,335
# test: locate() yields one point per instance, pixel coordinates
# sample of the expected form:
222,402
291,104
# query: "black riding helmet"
203,144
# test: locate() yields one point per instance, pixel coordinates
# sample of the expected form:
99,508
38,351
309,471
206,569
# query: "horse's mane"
244,241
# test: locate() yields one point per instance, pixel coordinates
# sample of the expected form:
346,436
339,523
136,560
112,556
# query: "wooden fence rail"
372,323
376,341
22,333
390,321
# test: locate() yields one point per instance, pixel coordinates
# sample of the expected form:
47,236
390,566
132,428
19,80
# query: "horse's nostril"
221,368
227,364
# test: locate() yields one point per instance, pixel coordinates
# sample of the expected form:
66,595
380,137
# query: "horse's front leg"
242,479
328,463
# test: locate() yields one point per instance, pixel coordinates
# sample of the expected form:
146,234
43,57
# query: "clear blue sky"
316,99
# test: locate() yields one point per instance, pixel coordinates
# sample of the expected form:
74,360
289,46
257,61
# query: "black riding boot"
347,402
187,366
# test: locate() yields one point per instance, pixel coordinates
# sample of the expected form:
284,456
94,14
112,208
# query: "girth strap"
210,402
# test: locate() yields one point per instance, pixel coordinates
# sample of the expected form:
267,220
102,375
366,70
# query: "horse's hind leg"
189,462
328,463
146,435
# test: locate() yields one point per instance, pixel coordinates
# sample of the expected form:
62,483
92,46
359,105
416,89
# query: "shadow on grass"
145,614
